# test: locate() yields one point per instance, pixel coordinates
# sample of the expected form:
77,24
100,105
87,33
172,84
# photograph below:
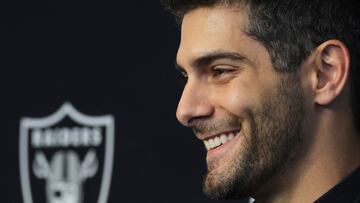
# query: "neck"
330,153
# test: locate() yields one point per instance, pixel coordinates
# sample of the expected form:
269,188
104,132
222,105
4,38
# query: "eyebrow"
210,57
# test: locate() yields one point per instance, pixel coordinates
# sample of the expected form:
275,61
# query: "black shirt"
347,191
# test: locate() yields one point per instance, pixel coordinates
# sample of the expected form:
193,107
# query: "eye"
181,77
184,76
221,70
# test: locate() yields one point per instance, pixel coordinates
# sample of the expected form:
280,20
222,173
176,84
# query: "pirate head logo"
66,157
65,175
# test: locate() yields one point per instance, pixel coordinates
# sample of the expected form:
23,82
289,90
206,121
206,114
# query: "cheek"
237,99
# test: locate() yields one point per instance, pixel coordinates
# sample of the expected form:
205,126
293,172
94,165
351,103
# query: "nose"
194,104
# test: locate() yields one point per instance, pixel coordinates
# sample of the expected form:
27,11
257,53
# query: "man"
272,91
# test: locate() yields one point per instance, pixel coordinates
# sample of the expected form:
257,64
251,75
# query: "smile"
219,140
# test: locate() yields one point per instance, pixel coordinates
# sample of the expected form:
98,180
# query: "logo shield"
66,157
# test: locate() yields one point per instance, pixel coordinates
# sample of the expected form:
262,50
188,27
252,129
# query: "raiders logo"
66,157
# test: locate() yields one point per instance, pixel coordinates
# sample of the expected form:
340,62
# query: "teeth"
231,136
218,140
223,139
211,143
207,144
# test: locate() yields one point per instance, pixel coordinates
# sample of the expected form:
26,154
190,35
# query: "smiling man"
272,91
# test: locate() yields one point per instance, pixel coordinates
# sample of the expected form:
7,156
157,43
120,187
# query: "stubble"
271,133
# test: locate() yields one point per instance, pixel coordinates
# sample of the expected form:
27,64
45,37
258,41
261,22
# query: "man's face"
248,115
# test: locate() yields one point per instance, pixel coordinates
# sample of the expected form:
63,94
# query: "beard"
271,134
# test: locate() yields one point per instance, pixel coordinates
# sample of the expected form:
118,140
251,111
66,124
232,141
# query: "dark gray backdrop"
105,57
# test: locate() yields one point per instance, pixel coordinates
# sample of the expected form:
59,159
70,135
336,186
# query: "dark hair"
291,29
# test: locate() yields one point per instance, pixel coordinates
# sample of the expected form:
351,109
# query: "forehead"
214,18
212,29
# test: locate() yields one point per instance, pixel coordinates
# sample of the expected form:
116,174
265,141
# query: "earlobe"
332,69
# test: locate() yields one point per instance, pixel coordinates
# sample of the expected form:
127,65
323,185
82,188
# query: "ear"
332,61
